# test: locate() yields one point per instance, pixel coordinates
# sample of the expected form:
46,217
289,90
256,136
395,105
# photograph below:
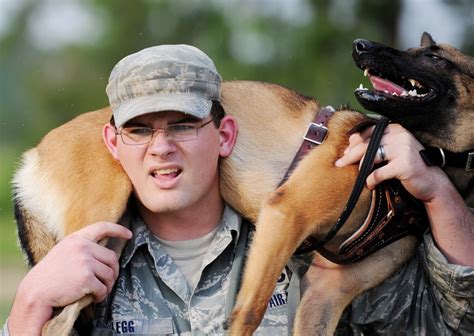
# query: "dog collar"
315,135
436,156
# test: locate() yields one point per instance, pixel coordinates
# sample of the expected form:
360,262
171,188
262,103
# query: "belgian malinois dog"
70,180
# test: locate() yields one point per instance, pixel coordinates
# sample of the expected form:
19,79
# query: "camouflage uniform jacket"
152,296
427,296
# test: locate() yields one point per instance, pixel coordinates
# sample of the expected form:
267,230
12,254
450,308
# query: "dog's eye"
434,56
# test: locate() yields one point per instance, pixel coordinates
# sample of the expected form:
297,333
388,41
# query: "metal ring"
381,153
442,156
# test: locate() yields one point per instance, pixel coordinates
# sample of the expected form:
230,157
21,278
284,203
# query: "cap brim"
182,102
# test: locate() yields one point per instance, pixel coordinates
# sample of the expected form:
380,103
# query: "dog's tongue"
385,85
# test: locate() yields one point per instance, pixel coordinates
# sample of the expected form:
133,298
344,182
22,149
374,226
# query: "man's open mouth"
394,87
166,172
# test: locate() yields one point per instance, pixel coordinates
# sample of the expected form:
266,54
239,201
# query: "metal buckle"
470,159
443,157
320,128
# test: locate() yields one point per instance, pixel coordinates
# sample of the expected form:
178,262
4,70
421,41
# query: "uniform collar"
229,225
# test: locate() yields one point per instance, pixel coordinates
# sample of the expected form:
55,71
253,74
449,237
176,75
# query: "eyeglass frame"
162,129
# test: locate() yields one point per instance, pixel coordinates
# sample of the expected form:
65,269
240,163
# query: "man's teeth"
165,171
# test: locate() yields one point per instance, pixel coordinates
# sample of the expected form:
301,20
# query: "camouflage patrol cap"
163,78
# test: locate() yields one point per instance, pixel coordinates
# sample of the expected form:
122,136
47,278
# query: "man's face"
171,176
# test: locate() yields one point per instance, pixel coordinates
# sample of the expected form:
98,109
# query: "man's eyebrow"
187,119
135,124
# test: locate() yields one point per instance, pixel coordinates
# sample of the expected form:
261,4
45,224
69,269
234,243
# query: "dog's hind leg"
330,288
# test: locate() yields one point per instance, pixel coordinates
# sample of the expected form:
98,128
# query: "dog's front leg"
330,288
275,240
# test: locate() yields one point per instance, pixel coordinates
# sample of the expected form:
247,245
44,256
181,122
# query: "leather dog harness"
393,213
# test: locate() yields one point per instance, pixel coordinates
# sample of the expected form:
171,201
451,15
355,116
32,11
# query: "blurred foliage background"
56,55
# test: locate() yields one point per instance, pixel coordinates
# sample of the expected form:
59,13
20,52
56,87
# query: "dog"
70,180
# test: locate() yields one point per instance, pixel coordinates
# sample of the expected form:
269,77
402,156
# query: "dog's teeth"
415,83
366,72
404,93
412,93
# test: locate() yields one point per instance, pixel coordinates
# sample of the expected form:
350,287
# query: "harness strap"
315,135
393,214
311,243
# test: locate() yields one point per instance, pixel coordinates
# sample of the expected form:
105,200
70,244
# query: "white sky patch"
8,11
61,22
433,16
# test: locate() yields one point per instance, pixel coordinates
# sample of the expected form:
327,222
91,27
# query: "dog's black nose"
361,46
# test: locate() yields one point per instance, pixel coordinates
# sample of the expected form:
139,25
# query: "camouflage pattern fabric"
428,296
152,296
163,78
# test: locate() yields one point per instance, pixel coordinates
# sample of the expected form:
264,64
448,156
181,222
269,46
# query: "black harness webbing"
311,242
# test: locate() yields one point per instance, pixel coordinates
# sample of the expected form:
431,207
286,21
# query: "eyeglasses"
141,135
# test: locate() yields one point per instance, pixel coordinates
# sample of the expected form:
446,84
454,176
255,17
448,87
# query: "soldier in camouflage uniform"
179,273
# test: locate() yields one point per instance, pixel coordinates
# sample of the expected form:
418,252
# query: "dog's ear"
426,40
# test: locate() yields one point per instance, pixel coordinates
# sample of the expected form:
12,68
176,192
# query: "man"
178,272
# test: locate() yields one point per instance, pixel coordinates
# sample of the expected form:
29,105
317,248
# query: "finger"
355,140
367,133
381,154
390,130
98,231
106,257
96,288
105,274
353,155
380,174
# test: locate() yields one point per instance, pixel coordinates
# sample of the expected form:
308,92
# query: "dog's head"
428,90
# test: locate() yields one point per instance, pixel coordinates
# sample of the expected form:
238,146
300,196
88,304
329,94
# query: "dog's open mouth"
392,87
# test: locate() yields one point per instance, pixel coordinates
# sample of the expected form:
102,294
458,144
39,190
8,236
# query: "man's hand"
75,267
403,162
452,222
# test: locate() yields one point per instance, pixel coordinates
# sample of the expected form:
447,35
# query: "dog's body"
70,180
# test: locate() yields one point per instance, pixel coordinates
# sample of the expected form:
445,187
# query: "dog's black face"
425,89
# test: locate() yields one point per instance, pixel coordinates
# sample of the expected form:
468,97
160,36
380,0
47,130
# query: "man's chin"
161,205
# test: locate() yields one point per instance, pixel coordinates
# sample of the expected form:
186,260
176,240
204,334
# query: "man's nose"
159,144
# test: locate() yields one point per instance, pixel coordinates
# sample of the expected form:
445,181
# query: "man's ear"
110,139
228,135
